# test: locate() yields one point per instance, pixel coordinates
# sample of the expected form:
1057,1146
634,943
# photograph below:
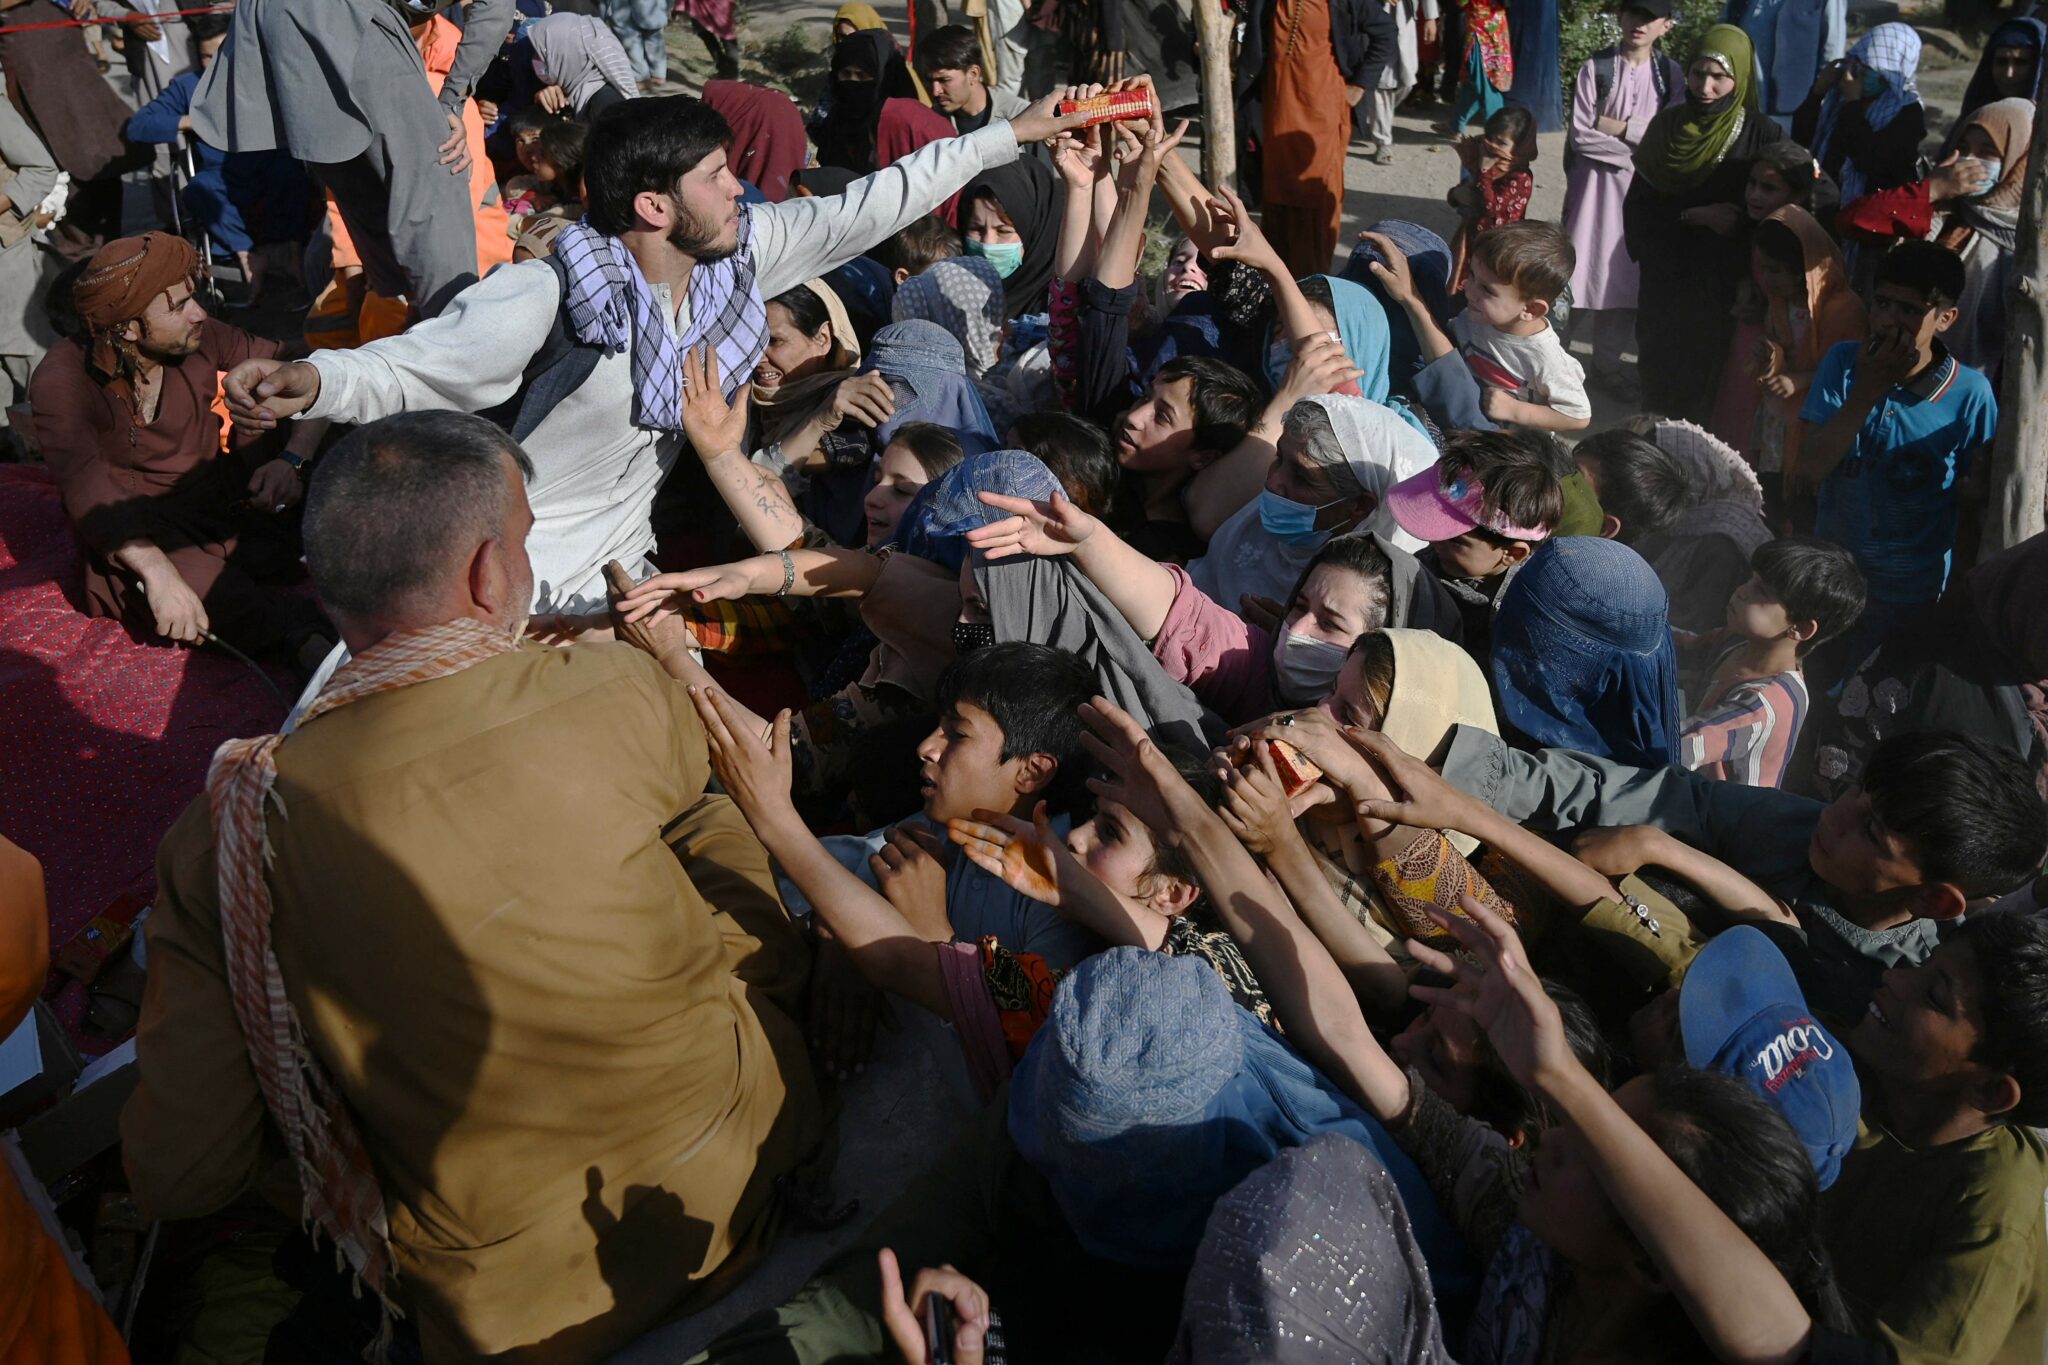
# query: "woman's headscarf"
768,140
928,358
2011,126
1684,143
124,277
862,17
1379,447
846,133
1582,654
1437,686
1893,52
964,295
579,53
1149,1094
1429,264
1834,312
1311,1259
1033,198
1361,327
2031,34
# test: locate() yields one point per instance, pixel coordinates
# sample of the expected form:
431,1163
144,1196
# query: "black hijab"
847,135
1034,198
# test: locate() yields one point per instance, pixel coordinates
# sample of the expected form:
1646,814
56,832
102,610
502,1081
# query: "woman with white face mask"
1351,586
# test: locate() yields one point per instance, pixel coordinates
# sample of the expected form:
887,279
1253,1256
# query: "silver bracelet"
788,574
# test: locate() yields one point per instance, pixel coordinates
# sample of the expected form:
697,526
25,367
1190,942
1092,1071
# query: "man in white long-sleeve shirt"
657,184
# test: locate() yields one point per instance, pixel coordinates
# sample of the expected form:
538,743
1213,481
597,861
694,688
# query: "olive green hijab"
1684,143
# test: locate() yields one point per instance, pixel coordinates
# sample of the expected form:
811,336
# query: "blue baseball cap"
1741,1012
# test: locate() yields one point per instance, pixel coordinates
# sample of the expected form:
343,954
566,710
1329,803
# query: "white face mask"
1993,169
1305,669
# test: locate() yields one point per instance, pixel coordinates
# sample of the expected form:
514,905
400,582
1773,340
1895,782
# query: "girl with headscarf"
580,57
1583,657
2009,69
1864,119
964,295
1970,205
1011,216
1800,286
768,140
868,72
1683,218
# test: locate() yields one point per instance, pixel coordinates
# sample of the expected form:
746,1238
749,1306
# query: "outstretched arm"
1141,588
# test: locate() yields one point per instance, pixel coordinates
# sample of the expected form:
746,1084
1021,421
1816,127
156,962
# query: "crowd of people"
1401,873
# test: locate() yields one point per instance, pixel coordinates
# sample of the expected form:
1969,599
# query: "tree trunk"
1213,30
2019,462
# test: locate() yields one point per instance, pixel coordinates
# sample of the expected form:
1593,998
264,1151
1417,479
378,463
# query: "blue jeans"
642,28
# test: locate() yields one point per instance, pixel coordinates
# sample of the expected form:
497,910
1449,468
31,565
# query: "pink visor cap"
1430,509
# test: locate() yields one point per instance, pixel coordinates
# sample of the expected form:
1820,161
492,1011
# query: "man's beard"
700,243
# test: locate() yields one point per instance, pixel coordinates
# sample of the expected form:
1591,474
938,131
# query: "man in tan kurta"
548,972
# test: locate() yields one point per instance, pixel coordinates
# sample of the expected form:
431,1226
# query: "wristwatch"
297,462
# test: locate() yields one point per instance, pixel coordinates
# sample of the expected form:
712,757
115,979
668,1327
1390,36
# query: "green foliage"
1587,26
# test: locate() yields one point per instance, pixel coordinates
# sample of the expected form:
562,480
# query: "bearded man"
475,948
180,536
580,355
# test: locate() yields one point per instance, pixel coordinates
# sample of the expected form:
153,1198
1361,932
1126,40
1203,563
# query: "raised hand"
910,875
1141,778
1320,365
1396,277
1417,795
756,775
1033,528
866,398
1499,991
1029,858
714,426
1043,121
1255,803
1246,240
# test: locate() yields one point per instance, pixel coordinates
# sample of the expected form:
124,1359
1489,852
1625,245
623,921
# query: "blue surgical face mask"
1994,167
1873,84
1288,521
1006,257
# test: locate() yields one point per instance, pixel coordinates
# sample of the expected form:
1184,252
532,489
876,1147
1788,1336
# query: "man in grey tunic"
340,85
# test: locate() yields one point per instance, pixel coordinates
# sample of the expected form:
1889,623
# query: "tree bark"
1213,29
2019,461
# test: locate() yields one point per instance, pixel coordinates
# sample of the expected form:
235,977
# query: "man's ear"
652,210
1610,526
1035,773
1940,901
131,330
488,582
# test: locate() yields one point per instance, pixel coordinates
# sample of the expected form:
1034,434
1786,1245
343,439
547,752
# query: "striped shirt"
1746,734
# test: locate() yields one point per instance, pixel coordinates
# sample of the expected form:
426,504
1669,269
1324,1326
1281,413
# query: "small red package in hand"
1115,104
1295,768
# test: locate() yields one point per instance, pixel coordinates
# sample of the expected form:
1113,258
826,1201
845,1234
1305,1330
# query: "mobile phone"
938,1329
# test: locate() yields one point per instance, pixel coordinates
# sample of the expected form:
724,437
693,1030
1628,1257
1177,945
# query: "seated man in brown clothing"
179,536
475,948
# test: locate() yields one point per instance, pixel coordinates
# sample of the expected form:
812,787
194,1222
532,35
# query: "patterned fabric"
1893,52
1429,874
1185,939
964,295
1022,986
1486,30
748,628
611,305
1747,733
333,1166
1063,339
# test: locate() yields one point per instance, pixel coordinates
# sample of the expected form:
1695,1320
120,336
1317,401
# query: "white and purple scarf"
611,305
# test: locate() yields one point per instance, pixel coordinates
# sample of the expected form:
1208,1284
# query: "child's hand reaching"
1244,240
1396,277
1029,859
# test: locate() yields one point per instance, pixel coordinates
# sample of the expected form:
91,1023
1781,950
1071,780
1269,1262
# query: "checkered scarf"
334,1169
611,305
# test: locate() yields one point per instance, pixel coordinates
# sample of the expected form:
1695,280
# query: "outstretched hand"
1245,240
1028,858
262,393
1056,527
1142,779
1396,276
714,426
1499,991
1418,796
666,593
754,772
1255,803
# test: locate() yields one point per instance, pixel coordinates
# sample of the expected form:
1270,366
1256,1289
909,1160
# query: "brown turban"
118,287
